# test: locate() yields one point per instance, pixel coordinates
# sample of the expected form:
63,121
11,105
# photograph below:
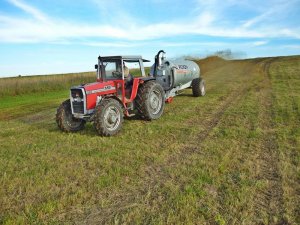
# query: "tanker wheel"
150,100
198,87
65,120
108,118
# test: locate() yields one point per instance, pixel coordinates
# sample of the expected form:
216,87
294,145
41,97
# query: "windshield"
112,69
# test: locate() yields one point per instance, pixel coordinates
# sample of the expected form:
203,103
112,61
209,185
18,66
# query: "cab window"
112,69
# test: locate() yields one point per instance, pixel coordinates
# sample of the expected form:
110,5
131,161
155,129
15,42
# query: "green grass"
16,106
15,86
286,112
203,162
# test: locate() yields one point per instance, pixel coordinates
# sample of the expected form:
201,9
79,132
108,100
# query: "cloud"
291,46
275,12
42,28
130,44
260,43
30,10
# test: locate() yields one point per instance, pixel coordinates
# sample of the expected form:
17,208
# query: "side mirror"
96,66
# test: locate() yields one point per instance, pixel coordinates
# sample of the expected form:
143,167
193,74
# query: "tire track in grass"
157,173
211,123
193,147
269,204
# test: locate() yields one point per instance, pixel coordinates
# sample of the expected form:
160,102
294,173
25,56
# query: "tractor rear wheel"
198,87
150,100
108,118
65,120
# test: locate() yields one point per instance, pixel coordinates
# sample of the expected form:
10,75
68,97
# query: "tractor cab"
114,67
125,71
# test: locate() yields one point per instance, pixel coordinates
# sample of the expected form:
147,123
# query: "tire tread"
143,97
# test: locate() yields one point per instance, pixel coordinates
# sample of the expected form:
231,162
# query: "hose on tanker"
172,78
156,62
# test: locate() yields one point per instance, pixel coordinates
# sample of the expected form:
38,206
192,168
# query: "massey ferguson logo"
78,99
108,87
182,67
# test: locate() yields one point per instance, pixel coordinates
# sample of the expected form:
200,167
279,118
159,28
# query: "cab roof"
128,58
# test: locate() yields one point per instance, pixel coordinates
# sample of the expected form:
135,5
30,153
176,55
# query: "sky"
50,36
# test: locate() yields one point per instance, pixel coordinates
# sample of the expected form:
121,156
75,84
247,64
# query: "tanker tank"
179,72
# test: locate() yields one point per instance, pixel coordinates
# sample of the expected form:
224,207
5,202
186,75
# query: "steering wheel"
116,74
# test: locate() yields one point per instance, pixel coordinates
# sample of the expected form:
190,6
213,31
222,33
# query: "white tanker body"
175,75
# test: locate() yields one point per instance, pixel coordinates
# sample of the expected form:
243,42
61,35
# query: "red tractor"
116,93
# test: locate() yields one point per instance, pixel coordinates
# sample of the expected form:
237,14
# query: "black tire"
108,118
150,100
65,120
198,87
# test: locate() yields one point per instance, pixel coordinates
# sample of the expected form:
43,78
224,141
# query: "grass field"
13,86
231,157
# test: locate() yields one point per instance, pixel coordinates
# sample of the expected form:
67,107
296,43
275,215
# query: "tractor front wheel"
108,118
150,100
65,120
198,87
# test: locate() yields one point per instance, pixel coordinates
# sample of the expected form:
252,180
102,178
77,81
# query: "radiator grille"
78,107
77,101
